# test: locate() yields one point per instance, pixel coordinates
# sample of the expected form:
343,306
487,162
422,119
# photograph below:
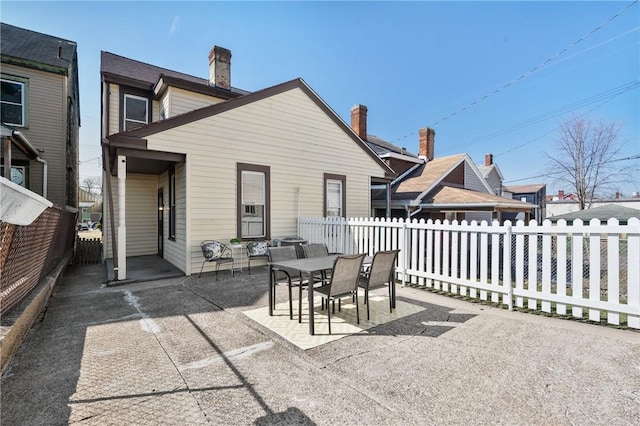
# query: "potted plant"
235,241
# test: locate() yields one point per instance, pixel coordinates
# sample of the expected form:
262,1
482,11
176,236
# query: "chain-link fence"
28,253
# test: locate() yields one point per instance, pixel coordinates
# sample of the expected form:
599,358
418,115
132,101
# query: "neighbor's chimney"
359,120
220,67
560,194
488,159
617,195
427,143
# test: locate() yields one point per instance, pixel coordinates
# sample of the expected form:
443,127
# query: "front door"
160,221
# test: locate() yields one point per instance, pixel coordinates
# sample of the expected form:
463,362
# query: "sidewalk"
181,351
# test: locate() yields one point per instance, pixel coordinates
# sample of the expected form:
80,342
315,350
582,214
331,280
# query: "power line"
537,67
633,157
554,130
602,97
534,69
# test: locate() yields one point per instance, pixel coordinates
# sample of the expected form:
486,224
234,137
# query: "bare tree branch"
584,157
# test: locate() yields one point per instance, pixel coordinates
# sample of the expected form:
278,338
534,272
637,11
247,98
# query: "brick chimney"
359,120
617,195
560,194
488,159
427,143
220,67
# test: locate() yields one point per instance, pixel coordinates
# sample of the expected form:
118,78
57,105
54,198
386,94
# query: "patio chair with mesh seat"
279,254
317,250
381,273
344,282
257,250
215,251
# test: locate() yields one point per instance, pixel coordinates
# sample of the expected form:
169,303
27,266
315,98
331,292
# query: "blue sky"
453,66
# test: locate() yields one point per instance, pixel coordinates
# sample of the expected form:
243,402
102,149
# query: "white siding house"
202,154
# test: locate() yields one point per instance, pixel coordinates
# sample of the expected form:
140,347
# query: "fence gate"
88,250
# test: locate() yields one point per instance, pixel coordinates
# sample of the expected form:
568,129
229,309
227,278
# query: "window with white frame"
253,201
18,175
335,200
13,101
136,111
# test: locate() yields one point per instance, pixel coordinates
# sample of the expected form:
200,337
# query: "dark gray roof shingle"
119,65
29,45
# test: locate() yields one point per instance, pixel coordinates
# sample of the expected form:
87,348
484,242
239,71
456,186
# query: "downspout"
106,165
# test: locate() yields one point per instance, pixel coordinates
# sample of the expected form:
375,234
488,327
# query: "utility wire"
602,97
537,67
529,72
633,157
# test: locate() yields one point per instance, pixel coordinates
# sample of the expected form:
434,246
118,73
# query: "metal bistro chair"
344,282
278,254
257,249
215,251
380,273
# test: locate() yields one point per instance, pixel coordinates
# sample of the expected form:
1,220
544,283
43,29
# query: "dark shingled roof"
111,63
18,43
381,147
604,213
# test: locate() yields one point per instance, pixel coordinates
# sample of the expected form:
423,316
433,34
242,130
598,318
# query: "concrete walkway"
180,351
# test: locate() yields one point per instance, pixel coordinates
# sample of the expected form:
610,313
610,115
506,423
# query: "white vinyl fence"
585,270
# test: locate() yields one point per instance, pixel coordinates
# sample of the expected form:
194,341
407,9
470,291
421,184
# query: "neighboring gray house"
534,194
40,113
492,174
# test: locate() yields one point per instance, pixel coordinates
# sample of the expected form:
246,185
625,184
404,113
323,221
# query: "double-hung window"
13,101
253,201
334,195
136,111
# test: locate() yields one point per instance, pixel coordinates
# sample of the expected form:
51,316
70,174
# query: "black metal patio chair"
215,251
257,250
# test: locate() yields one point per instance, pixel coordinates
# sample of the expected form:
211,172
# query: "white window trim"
22,104
146,101
253,204
341,207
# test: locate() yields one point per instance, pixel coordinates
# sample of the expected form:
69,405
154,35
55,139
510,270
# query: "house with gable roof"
40,110
191,159
449,187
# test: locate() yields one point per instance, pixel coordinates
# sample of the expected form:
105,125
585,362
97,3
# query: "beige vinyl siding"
114,108
165,103
141,220
287,132
181,101
46,128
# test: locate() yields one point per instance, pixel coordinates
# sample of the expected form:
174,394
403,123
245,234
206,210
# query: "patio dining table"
308,267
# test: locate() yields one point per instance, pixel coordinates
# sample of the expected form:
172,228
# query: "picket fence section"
586,270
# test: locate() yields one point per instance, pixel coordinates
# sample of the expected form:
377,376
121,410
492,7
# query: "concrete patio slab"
181,351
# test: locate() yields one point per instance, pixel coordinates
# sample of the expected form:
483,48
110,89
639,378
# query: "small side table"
239,249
